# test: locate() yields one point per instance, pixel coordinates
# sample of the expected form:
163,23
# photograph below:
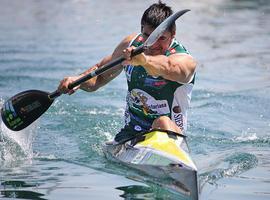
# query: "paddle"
24,108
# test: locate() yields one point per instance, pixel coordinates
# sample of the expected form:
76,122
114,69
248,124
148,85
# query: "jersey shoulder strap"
176,47
137,41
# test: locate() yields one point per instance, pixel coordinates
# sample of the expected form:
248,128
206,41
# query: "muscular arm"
94,83
176,67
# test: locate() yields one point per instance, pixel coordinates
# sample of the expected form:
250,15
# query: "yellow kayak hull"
160,155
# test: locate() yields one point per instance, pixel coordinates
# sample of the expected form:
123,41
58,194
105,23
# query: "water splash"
16,145
247,137
252,138
108,136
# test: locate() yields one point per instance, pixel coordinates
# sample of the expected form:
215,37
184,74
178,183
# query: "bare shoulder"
126,41
123,44
130,37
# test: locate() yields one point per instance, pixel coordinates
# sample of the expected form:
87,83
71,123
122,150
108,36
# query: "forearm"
174,68
94,83
156,65
89,85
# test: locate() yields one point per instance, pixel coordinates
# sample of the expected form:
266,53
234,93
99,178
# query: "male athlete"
160,80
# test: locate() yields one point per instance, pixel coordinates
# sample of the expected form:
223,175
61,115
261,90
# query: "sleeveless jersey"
150,97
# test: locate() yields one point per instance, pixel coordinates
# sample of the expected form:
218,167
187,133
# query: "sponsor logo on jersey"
178,116
176,109
172,50
150,82
137,128
140,39
143,102
128,70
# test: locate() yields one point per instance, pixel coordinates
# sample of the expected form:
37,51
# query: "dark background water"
60,156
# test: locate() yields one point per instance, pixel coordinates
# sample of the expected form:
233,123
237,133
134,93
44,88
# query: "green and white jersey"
150,97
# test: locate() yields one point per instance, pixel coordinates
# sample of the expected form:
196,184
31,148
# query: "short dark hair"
156,14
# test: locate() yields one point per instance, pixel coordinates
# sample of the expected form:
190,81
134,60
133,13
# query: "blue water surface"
60,156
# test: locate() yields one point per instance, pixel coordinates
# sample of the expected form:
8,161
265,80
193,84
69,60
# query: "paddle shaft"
98,71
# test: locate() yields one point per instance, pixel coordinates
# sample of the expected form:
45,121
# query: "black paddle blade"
24,108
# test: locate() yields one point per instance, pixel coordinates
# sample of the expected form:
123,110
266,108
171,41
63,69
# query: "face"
161,45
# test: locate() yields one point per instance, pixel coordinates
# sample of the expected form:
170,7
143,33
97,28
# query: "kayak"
159,154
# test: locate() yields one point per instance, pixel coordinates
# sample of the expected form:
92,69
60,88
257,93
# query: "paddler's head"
152,18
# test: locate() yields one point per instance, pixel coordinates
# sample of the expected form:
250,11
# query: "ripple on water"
234,164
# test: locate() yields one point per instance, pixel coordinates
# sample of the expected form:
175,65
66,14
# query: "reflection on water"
19,190
51,178
20,194
137,192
